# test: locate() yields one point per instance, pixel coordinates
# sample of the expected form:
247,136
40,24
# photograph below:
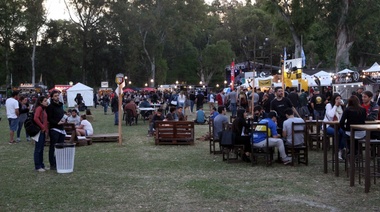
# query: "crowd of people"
49,115
279,109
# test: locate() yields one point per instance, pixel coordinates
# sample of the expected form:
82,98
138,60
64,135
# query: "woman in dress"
85,127
40,118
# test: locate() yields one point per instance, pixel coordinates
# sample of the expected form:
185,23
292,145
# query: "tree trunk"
33,57
344,42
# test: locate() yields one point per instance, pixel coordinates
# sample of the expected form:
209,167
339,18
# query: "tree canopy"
188,41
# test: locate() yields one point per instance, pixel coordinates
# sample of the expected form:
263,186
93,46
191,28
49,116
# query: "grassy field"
139,176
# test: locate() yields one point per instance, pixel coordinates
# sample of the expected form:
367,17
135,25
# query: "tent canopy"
345,71
86,92
374,68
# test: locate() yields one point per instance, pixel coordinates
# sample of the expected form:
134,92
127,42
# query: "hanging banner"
232,75
265,83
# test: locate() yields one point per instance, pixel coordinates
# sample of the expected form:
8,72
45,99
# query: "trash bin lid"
64,145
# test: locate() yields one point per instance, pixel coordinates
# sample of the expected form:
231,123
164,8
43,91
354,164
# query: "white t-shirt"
11,104
87,126
181,98
212,98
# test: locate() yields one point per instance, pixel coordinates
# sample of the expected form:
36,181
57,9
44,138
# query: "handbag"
30,126
173,102
227,138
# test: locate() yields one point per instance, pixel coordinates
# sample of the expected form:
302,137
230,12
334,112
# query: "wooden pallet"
108,137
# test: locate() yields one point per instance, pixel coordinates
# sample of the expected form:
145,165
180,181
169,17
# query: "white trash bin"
64,156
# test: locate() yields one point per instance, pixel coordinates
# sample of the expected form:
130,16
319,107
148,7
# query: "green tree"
10,26
214,59
34,19
88,15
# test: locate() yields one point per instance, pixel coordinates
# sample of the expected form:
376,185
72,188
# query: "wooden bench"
108,137
174,132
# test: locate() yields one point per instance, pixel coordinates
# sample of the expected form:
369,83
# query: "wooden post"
120,117
119,79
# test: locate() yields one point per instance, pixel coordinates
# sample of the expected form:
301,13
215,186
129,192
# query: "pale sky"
56,9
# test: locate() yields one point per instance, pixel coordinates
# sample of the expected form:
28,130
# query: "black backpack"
30,126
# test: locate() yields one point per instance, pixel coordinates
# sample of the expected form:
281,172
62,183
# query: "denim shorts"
13,124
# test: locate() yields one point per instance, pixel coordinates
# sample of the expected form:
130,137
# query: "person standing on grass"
41,119
24,110
12,107
232,97
85,127
57,133
280,104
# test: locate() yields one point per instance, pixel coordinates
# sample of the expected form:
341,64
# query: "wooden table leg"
336,146
324,150
367,181
352,158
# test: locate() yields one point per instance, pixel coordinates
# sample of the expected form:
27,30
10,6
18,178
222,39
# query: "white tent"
345,71
324,77
374,68
84,90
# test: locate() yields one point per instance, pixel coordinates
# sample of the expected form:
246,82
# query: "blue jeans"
105,107
341,136
20,125
192,105
55,137
116,117
39,152
233,109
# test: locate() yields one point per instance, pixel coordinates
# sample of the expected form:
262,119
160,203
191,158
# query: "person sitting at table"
287,129
258,138
201,117
74,118
144,103
180,115
130,105
241,129
372,111
334,111
259,113
219,120
85,127
172,115
353,114
213,113
156,117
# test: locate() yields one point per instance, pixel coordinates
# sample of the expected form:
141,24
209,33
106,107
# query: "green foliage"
176,40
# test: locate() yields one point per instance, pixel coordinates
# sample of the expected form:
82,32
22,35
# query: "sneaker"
340,155
52,168
40,170
12,142
149,135
287,160
18,140
28,139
